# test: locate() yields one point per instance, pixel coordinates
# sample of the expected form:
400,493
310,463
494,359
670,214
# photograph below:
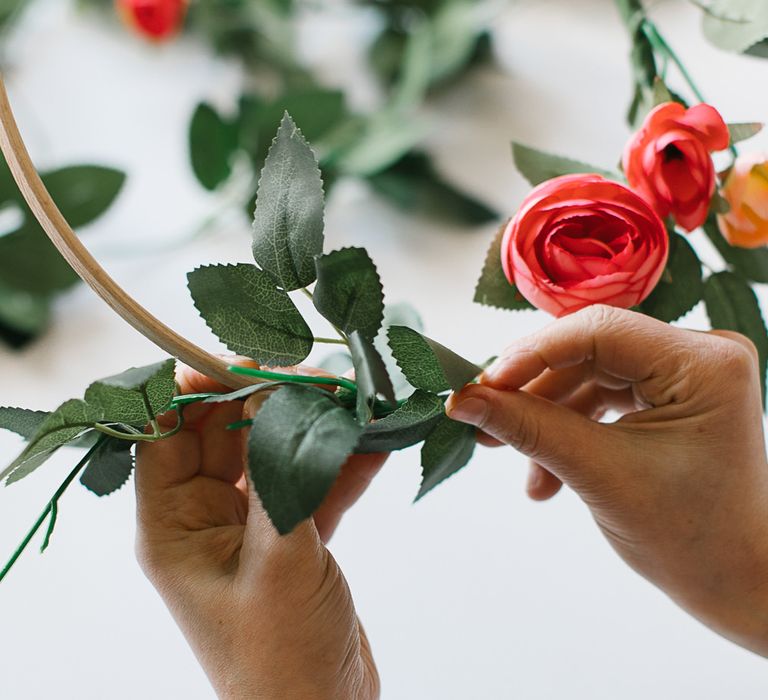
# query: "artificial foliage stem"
52,508
296,378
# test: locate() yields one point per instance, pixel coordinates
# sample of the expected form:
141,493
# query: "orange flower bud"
746,191
156,20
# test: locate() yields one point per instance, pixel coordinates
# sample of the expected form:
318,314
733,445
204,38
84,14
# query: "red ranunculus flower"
580,240
155,19
668,160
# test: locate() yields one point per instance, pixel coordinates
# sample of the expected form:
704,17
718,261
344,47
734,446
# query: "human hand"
678,485
267,616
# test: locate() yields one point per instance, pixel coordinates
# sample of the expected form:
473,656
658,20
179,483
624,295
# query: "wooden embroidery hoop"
94,275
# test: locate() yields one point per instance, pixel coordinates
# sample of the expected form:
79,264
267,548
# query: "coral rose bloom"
668,160
155,19
580,240
746,190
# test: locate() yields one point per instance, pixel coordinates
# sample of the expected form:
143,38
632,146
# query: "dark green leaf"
744,131
537,166
493,288
427,364
751,263
251,316
135,396
212,143
413,185
24,311
370,374
288,223
680,288
21,421
109,468
83,192
298,443
732,306
408,425
68,421
30,263
446,450
348,291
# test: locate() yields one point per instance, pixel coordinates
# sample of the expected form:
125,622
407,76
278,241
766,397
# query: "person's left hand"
268,616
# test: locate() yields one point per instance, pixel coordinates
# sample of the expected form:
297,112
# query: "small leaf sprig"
396,399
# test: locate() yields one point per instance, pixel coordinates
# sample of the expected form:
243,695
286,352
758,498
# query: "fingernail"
471,410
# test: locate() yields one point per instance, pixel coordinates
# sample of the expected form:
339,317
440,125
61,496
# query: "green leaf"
661,93
680,288
212,143
251,316
427,364
413,185
21,421
735,25
83,192
371,376
24,311
349,292
751,263
407,426
288,223
109,468
493,288
537,166
135,396
744,130
64,424
298,443
29,262
732,306
447,449
244,392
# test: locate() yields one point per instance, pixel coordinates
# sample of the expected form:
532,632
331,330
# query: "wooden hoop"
76,254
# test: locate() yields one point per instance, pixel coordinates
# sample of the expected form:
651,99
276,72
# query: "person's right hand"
679,485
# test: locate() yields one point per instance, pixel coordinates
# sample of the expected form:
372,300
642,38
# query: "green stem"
332,341
51,507
295,378
660,43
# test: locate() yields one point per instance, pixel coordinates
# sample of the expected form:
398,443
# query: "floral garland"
582,236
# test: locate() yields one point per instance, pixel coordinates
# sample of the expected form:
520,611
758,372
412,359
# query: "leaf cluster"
32,271
304,433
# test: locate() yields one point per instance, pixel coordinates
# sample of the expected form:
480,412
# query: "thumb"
579,451
262,545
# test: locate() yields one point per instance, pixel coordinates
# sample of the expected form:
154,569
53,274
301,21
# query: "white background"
473,593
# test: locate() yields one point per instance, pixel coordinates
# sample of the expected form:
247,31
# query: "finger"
262,544
615,340
740,339
354,478
191,381
576,449
593,401
542,484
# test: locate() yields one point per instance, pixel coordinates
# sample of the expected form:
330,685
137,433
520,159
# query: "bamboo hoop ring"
87,267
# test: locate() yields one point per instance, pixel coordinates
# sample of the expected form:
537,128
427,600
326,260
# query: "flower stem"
332,341
295,378
52,508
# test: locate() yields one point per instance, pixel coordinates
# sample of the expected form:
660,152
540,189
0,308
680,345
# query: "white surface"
473,593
